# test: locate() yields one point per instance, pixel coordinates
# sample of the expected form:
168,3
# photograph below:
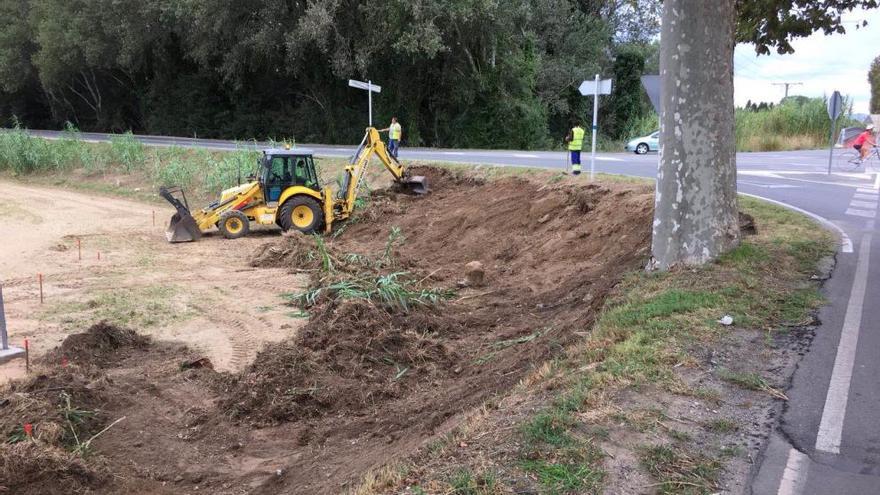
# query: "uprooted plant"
359,276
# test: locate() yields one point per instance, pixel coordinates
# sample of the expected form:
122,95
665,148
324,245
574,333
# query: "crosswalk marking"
861,213
863,204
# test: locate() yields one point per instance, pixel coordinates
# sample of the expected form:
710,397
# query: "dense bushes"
190,168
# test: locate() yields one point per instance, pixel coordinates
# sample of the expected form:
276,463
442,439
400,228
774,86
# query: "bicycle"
850,160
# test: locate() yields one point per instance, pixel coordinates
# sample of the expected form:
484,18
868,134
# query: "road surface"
828,439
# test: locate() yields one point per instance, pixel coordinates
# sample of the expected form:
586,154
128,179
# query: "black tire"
234,224
642,149
294,206
848,161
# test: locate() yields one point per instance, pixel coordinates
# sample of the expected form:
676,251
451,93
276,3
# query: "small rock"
475,273
278,472
726,320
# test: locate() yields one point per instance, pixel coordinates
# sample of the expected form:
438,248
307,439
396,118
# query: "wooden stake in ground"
40,278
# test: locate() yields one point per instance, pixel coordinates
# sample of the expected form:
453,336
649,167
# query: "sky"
821,63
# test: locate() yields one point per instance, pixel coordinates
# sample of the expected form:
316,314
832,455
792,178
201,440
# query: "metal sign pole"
370,100
831,146
595,127
835,104
4,338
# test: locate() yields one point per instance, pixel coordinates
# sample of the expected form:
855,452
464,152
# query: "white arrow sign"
370,88
365,85
589,87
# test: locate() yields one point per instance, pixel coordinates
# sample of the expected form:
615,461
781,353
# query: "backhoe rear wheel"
301,213
234,224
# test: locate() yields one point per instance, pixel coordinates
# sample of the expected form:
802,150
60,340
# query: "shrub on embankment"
796,123
196,169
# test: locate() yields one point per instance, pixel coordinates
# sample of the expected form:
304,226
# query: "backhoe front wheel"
301,213
234,224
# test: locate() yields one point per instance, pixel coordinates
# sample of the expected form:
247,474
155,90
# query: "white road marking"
457,153
863,204
863,190
609,159
877,181
861,213
795,474
523,155
846,245
866,197
831,426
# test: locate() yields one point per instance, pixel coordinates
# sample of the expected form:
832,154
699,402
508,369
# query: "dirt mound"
348,357
293,250
30,468
100,344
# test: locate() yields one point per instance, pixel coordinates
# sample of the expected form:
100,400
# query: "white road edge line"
795,474
877,181
846,245
831,426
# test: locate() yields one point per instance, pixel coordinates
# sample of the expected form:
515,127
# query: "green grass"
747,380
678,472
722,425
654,323
565,477
139,307
394,291
464,482
797,123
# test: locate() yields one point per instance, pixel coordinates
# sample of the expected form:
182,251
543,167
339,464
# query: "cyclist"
864,142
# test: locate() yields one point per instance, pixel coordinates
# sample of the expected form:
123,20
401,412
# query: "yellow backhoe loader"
286,193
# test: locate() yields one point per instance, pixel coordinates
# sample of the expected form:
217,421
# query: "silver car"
644,144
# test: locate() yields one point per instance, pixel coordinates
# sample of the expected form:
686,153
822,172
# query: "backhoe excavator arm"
354,173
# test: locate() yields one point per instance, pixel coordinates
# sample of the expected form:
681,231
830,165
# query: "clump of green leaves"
394,291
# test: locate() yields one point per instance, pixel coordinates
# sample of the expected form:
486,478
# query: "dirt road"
202,294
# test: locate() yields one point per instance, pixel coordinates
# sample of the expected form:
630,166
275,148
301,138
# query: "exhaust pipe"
183,227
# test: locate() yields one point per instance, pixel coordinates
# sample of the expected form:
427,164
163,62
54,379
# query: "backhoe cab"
286,193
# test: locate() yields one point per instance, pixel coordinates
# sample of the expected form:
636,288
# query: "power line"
787,84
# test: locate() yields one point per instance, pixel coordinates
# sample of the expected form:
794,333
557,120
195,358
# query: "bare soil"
359,384
205,295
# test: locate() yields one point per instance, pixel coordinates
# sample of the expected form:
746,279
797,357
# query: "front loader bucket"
183,228
417,185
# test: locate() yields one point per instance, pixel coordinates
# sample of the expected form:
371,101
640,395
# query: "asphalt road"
828,439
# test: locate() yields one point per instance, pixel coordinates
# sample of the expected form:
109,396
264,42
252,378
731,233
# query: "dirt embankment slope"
362,383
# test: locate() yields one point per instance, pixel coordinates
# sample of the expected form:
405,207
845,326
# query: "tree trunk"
695,215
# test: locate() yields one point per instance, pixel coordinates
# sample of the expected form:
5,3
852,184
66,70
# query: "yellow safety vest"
577,139
394,131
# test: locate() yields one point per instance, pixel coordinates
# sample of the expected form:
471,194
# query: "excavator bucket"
183,227
417,184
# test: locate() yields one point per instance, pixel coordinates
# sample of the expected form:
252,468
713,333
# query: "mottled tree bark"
695,216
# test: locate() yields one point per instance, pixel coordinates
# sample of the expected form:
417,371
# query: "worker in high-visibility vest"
394,134
575,141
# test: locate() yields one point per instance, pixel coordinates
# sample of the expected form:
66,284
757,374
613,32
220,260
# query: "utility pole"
787,84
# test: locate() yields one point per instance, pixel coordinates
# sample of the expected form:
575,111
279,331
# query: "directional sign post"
595,88
370,89
835,108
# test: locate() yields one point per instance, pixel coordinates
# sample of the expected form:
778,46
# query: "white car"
644,144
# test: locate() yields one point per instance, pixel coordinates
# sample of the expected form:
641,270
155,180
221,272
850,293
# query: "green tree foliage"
627,104
774,23
456,72
874,79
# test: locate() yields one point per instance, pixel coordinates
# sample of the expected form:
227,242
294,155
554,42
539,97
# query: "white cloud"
821,63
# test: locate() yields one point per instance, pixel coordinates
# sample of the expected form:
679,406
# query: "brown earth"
189,282
363,383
